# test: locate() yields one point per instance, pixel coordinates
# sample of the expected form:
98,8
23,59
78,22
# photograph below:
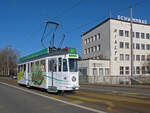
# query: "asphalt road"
13,100
91,97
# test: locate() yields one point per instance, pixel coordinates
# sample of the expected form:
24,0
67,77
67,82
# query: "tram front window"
73,65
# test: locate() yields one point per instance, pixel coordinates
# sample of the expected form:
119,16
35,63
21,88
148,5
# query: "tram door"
52,72
27,74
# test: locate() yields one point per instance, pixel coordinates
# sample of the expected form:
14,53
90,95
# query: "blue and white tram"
51,69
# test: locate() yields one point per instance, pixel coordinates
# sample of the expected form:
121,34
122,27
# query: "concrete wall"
115,26
104,42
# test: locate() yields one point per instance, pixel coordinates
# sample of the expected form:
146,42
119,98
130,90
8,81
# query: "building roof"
108,20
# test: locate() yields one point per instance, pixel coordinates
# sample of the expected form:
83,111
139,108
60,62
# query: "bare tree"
8,61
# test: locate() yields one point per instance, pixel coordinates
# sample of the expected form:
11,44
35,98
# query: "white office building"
110,41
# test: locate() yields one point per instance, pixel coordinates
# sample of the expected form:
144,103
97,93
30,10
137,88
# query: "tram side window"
28,68
59,64
36,63
65,65
43,64
24,67
19,68
55,65
52,65
32,66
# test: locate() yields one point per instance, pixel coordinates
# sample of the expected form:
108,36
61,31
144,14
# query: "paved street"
95,97
13,100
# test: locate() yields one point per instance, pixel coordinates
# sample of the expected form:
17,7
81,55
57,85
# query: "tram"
52,69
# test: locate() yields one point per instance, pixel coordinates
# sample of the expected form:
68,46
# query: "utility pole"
131,40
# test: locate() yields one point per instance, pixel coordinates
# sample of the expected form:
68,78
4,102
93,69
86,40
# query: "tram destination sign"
134,19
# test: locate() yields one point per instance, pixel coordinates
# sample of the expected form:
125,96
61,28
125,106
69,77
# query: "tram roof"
47,52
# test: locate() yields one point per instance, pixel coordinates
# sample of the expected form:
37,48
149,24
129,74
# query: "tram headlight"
73,78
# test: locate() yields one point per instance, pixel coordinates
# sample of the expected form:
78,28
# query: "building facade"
110,40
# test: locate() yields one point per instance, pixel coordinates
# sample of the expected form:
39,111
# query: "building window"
85,51
91,49
121,57
143,70
127,57
137,35
83,71
148,46
106,71
99,47
127,70
137,46
88,50
100,71
85,41
95,48
142,35
120,32
143,46
92,39
94,71
143,57
148,57
137,57
99,36
137,70
95,37
89,40
121,44
127,45
148,69
121,70
147,36
126,33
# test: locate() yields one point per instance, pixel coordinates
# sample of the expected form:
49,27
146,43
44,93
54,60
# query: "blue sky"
22,21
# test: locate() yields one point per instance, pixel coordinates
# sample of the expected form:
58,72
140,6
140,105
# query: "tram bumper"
73,87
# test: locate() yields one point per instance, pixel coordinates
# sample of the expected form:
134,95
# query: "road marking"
117,98
77,102
76,105
109,103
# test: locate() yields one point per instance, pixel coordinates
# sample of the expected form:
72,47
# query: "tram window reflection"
65,65
42,64
59,64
